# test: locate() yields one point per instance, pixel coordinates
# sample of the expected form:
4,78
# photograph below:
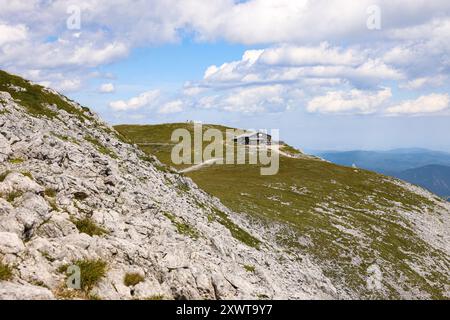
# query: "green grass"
3,175
249,268
53,204
88,226
290,150
35,99
316,201
159,166
11,196
6,272
27,174
50,192
16,161
132,279
160,138
236,231
65,138
155,297
100,147
182,227
92,271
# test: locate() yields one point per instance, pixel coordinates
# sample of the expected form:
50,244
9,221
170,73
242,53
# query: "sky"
330,75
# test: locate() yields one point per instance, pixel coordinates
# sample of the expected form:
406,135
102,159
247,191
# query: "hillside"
74,195
341,219
435,178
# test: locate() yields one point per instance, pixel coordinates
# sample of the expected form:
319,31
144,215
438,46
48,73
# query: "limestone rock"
14,291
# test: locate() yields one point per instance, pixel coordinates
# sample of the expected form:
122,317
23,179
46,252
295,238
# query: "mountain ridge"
75,193
316,203
435,178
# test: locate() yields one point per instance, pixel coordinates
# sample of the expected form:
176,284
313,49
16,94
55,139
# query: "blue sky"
370,75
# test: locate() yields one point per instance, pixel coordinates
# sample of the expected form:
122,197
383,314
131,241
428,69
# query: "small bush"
132,279
182,227
4,175
249,268
88,226
100,147
236,231
50,192
16,161
91,272
80,195
53,204
13,196
5,272
156,297
27,174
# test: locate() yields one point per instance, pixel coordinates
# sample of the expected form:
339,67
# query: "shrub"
13,195
91,272
80,195
4,175
156,297
88,226
132,279
16,161
182,227
53,204
5,272
236,231
49,192
100,147
249,268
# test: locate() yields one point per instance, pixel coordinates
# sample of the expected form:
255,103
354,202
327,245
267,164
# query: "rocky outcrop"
74,193
57,171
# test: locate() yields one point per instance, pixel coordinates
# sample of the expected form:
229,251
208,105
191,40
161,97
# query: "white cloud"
145,99
62,85
68,85
107,88
425,104
412,47
10,33
192,90
171,107
265,98
354,101
89,55
421,82
288,63
324,54
255,99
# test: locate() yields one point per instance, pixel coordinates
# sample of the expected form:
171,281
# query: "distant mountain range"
426,168
435,178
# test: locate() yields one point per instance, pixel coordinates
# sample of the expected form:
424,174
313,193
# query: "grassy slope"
316,203
36,100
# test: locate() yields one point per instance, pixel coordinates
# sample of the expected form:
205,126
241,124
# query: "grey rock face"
71,191
13,291
67,169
